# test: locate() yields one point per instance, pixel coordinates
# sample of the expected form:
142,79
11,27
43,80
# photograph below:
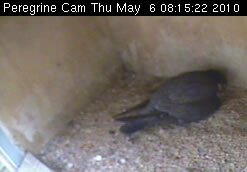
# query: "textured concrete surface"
32,164
168,45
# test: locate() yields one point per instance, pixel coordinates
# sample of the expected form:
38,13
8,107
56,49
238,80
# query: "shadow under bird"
189,97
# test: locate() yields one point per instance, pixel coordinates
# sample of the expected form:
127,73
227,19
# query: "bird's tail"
133,124
134,109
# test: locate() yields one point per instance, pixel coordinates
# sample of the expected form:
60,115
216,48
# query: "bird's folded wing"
193,92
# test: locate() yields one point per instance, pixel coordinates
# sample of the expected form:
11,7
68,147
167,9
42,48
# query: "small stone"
69,165
97,158
122,161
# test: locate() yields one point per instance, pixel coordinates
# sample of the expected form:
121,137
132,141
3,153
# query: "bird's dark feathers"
136,123
189,97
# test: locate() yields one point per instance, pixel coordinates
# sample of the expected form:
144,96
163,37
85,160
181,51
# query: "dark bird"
186,98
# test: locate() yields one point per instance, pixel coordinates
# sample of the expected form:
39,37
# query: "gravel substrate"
92,142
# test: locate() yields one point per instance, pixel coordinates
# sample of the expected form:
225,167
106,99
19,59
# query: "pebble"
122,161
69,165
98,158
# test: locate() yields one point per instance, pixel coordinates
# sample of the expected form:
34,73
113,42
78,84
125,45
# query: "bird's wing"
192,92
197,110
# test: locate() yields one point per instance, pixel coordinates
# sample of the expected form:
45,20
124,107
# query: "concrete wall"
49,68
167,46
52,66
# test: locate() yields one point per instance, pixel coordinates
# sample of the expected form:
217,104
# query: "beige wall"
49,68
52,66
166,46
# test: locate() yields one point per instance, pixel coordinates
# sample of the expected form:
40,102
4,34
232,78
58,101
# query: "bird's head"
217,76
